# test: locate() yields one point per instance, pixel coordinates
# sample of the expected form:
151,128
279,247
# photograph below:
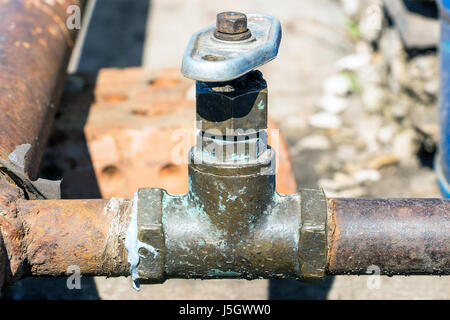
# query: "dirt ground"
347,136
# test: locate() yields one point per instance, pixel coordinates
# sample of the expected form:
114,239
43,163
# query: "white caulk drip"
132,244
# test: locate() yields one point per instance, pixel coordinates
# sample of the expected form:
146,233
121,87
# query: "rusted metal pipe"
399,236
45,237
35,46
55,234
85,233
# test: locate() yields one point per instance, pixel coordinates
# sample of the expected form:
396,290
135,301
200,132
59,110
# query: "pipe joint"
182,236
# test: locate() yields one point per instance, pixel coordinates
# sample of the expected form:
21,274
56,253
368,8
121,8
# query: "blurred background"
353,90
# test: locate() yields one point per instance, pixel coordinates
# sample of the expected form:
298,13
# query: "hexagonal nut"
312,248
231,22
232,106
232,26
150,232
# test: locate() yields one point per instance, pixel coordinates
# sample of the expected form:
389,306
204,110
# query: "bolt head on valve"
232,26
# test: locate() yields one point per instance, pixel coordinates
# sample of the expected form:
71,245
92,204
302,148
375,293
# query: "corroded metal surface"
11,232
226,239
232,26
197,247
85,233
231,22
150,231
312,251
35,46
399,236
232,223
45,237
233,196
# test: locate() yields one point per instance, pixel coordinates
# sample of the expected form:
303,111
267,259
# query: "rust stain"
57,18
333,230
60,233
11,231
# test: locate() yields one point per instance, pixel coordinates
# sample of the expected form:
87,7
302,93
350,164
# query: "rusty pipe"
45,237
35,46
85,233
399,236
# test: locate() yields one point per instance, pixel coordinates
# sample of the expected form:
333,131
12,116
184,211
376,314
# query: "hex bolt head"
231,22
231,26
